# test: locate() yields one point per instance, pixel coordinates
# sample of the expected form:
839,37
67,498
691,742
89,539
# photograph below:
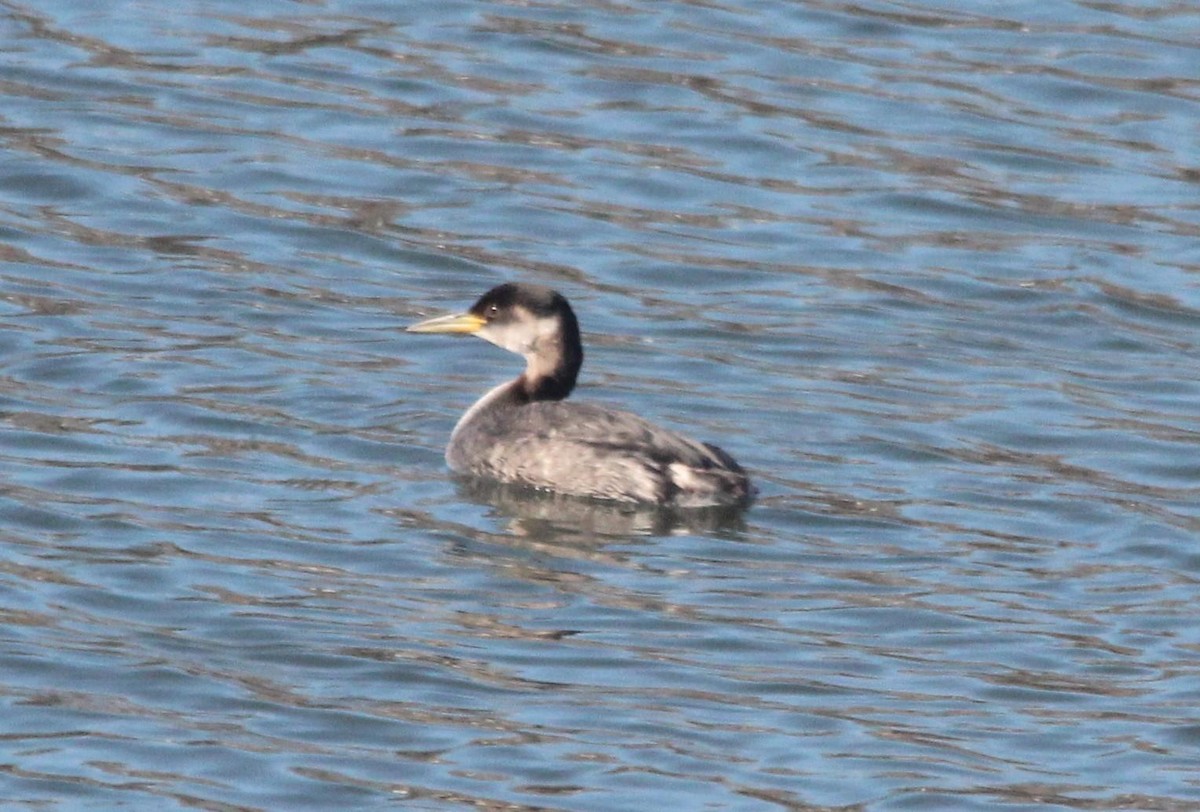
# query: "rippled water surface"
932,272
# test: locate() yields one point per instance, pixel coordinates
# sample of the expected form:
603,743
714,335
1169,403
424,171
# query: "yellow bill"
465,323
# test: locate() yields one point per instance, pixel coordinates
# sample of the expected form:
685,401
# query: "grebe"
524,432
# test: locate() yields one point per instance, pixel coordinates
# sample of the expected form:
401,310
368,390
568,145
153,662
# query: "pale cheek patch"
546,327
523,334
510,334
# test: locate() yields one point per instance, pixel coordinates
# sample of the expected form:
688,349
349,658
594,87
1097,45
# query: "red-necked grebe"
523,432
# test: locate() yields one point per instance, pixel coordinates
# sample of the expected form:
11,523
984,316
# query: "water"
930,272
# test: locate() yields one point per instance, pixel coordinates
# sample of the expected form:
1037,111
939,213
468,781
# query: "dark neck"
544,388
551,373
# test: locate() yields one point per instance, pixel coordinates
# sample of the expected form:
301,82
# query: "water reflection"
544,515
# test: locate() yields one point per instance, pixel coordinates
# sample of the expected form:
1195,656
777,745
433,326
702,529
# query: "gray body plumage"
524,432
583,449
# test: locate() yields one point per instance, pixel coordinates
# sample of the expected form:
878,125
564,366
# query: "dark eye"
493,311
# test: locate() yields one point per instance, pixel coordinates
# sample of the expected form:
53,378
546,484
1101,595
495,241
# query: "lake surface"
931,272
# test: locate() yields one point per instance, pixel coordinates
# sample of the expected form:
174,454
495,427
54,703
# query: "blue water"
930,272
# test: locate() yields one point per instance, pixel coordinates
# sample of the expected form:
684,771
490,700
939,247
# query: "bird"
524,431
